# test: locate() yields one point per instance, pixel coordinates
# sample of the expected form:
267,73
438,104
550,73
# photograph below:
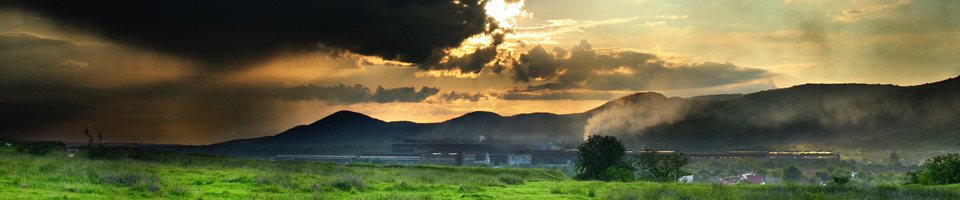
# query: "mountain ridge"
826,111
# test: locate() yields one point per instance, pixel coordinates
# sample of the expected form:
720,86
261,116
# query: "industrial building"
739,154
513,152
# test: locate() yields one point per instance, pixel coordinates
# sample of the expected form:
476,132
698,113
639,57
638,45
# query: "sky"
204,71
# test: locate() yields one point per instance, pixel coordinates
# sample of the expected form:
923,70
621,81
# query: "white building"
516,159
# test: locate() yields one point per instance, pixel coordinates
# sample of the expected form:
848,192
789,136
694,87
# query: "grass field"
56,176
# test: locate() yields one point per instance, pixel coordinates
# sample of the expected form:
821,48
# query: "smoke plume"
635,113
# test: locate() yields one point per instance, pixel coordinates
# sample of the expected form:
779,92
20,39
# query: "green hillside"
177,176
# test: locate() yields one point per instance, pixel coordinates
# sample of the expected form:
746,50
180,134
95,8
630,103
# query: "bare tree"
87,132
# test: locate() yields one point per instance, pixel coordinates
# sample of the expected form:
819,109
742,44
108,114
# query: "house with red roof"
752,178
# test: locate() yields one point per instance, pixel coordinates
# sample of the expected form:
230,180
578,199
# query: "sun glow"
505,16
505,13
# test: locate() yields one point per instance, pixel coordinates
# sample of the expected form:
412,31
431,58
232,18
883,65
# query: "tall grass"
177,176
673,191
188,176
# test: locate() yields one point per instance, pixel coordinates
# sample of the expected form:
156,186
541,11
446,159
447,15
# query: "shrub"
841,180
206,155
399,166
574,190
140,181
367,165
109,153
913,176
617,174
114,153
275,178
348,183
510,180
404,186
618,194
556,190
40,148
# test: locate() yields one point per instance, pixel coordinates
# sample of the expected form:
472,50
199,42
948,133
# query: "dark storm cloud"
557,95
23,48
37,104
228,34
20,50
583,68
536,63
469,63
403,94
18,40
339,93
464,96
53,87
170,111
343,94
29,59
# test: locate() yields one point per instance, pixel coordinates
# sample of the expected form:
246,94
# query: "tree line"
602,157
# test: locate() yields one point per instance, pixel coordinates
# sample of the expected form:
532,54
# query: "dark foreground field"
174,176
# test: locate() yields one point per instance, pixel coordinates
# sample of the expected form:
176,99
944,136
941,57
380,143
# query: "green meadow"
179,176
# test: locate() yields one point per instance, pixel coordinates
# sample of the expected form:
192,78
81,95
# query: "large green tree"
943,169
894,160
792,174
661,167
824,175
597,154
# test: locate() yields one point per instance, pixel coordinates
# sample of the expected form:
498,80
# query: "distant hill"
717,97
806,113
342,127
347,127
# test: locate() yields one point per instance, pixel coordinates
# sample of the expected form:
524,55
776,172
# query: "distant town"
516,152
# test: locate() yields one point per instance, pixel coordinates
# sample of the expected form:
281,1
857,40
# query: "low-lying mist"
805,113
635,113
